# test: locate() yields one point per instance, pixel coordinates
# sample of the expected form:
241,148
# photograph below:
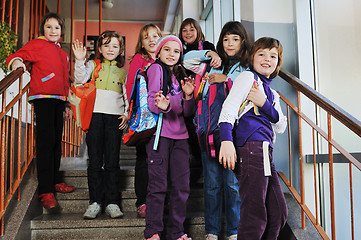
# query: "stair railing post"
303,218
330,158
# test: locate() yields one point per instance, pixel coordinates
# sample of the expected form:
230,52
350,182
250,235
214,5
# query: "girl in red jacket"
49,88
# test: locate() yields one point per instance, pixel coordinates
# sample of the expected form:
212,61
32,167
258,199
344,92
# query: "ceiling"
154,11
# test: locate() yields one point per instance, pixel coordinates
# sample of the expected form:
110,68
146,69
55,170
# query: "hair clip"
103,35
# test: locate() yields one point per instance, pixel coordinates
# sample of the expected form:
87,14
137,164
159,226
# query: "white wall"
338,35
11,92
190,9
338,28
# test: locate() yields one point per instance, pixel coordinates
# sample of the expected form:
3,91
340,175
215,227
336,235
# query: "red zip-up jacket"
50,68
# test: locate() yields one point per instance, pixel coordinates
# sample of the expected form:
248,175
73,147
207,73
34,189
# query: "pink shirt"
137,62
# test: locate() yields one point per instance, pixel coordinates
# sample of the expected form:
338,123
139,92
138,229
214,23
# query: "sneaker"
63,188
113,211
48,200
141,210
154,237
210,236
232,237
92,211
184,237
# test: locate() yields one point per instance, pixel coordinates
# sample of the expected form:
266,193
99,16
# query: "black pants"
141,175
194,150
103,140
49,128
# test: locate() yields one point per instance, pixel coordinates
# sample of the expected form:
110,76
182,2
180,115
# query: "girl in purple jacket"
252,109
171,159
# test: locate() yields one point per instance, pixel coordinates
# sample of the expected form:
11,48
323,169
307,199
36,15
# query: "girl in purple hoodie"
252,110
171,158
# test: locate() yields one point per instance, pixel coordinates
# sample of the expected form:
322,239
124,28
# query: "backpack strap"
200,82
97,68
135,94
160,117
242,108
200,45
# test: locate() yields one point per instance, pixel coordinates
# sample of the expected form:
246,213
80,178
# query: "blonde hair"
139,48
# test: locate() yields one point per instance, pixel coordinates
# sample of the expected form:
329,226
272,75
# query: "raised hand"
161,101
188,87
79,50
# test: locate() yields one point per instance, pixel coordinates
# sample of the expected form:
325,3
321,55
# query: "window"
226,11
208,31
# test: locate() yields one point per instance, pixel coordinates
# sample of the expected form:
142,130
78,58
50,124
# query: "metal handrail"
17,142
333,111
347,119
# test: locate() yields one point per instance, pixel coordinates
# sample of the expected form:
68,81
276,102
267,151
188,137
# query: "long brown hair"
107,36
195,24
235,27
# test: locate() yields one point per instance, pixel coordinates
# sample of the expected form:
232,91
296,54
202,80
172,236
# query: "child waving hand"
171,159
108,121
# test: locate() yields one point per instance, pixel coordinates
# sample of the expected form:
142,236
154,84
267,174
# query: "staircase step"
126,182
125,171
77,201
127,162
73,226
69,223
78,178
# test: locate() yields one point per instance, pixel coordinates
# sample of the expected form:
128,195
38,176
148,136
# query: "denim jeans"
218,180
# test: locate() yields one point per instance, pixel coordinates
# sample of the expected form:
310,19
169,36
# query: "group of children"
224,91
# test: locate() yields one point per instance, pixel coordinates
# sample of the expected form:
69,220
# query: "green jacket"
111,77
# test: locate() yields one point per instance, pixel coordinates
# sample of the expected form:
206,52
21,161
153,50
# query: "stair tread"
75,220
83,194
124,170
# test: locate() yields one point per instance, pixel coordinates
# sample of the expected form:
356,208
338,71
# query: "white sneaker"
92,211
211,237
113,211
232,237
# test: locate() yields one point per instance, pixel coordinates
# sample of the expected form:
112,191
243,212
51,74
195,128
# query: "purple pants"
170,160
263,211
